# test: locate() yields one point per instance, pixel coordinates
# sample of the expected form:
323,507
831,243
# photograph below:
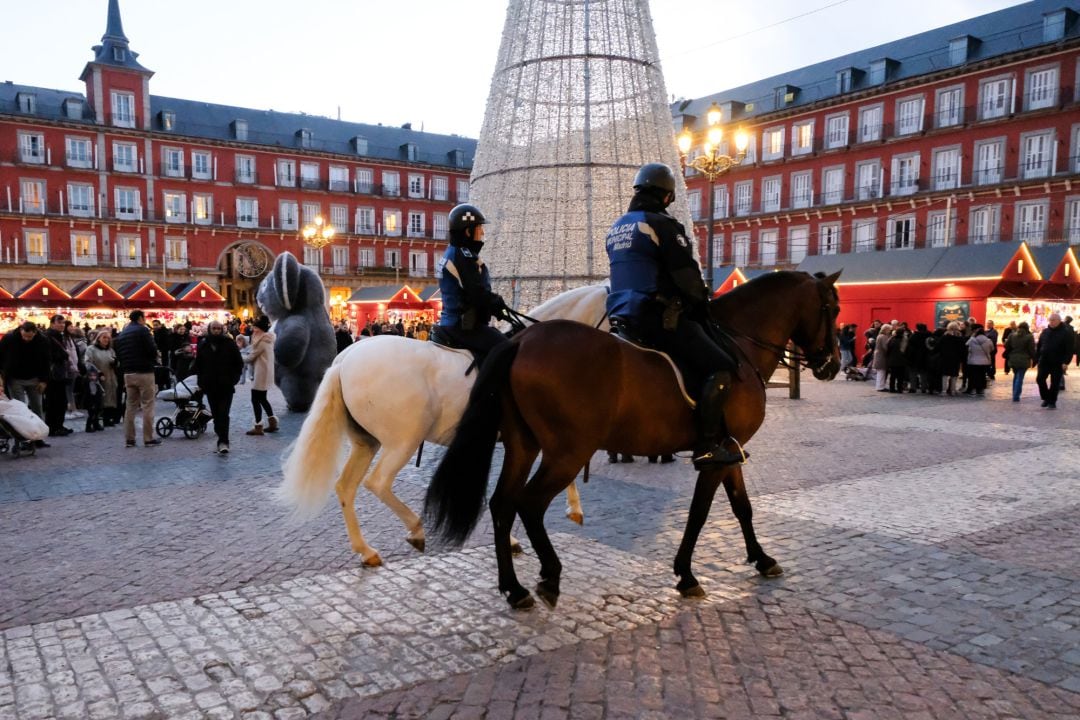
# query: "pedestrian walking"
102,356
137,355
1055,350
1019,356
218,366
261,358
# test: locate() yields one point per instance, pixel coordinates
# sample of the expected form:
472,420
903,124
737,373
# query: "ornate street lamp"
712,164
318,234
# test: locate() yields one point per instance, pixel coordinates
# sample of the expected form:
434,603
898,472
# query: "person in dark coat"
952,351
137,355
896,359
1054,349
24,365
343,336
163,341
218,365
918,375
1019,356
61,372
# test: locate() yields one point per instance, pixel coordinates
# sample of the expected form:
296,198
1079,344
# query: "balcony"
245,178
310,183
339,186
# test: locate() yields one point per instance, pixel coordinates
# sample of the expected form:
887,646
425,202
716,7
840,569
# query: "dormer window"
304,136
27,102
1056,23
882,70
785,95
73,109
240,129
118,54
168,120
360,145
410,151
123,109
457,158
847,79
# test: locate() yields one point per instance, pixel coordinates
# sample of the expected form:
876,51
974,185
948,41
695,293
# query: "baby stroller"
858,374
19,428
190,416
11,441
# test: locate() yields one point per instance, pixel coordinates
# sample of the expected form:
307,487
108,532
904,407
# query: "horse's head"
815,332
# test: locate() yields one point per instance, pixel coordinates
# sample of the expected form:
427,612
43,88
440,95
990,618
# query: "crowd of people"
105,377
961,357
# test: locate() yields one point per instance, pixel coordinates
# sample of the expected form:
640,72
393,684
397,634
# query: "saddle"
645,348
441,338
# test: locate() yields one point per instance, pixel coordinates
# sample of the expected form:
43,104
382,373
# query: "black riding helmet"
464,217
657,177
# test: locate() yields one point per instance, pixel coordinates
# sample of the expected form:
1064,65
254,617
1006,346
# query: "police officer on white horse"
658,298
468,302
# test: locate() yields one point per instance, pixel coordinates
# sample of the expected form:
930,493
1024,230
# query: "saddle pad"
674,368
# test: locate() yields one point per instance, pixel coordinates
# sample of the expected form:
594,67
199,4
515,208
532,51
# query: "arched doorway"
242,266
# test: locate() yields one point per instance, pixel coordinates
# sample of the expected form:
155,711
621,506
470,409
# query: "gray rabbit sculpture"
292,295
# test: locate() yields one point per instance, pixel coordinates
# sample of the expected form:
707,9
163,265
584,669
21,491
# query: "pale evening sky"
428,62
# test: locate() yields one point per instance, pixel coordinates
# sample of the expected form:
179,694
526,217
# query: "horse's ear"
831,279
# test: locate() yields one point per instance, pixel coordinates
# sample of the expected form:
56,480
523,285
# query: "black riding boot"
712,429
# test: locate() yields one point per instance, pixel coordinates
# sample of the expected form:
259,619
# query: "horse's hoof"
548,594
691,592
520,600
417,543
769,568
373,561
516,549
577,517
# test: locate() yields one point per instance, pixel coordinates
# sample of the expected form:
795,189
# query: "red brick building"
121,185
966,134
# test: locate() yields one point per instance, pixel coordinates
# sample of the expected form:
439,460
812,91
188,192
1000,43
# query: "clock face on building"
251,259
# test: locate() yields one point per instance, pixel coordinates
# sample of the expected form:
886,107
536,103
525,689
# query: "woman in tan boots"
261,357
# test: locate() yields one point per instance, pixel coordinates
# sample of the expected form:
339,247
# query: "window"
309,176
693,199
905,174
1037,154
802,138
123,109
865,235
201,166
27,102
36,245
77,152
798,239
770,194
168,120
949,110
870,123
411,151
767,247
718,250
1031,222
802,193
311,211
247,212
176,252
940,229
720,201
172,162
958,50
288,211
366,257
392,222
1072,222
339,218
340,256
988,162
80,199
1054,25
836,131
844,81
868,180
829,239
439,188
175,207
202,209
909,116
416,186
129,250
439,226
32,197
364,180
240,129
360,145
744,195
285,173
313,257
833,185
339,178
124,157
32,148
1041,88
772,144
994,100
392,258
391,183
879,71
902,233
365,221
305,137
1074,159
245,169
462,191
416,224
418,263
983,224
740,249
947,168
128,204
83,248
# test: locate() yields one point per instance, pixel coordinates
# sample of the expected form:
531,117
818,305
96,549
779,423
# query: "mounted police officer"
468,302
658,298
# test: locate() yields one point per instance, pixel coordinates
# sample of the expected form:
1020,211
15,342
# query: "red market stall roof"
99,292
393,297
145,292
5,295
197,292
1060,269
727,277
42,292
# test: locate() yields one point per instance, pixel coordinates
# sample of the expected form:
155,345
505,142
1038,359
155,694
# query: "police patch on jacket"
682,240
465,253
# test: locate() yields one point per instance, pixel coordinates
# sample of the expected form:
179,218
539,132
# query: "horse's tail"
456,494
312,461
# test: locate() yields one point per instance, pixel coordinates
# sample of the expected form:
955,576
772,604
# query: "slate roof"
376,293
963,261
1049,257
431,292
997,33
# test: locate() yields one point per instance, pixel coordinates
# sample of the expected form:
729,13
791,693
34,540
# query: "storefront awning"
195,293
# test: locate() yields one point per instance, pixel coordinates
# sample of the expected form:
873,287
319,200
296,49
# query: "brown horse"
566,390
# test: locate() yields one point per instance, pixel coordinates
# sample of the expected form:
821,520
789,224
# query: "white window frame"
129,250
837,131
339,178
832,193
740,249
871,123
245,169
768,246
1072,220
364,180
32,196
1041,87
693,200
78,151
989,174
1074,154
202,208
80,199
1031,221
172,162
247,212
772,144
802,138
868,188
744,198
79,258
829,239
123,151
123,109
984,224
392,258
309,211
864,235
289,214
339,218
909,115
418,263
339,259
949,106
127,210
936,236
1036,154
417,221
176,252
391,183
202,165
946,167
36,246
313,258
416,185
440,226
365,257
174,206
995,97
440,188
798,244
310,176
771,193
904,179
720,202
901,233
802,197
461,191
285,172
391,222
365,221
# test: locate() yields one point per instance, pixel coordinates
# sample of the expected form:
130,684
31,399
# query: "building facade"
966,134
119,184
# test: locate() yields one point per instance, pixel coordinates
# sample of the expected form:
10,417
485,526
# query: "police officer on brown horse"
658,298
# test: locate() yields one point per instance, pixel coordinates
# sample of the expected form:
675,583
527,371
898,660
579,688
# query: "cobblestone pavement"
931,550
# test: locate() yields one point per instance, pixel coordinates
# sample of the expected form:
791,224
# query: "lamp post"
712,164
318,234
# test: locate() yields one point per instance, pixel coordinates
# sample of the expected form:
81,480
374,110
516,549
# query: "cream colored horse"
392,393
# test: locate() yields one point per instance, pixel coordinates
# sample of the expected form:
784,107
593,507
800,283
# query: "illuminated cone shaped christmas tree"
577,105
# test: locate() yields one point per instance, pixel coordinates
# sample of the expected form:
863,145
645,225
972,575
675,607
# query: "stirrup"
709,456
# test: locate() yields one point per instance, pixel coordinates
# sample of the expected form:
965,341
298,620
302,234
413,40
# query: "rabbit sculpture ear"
288,280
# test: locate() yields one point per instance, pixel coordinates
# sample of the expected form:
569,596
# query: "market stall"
391,303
